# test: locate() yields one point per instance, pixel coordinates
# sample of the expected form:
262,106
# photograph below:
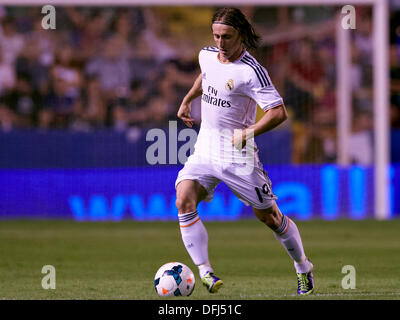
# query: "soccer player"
231,85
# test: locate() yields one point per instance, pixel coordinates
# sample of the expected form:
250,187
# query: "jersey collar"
227,62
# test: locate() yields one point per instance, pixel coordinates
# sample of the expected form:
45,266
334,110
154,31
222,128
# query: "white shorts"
253,188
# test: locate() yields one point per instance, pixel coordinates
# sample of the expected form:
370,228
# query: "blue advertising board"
148,193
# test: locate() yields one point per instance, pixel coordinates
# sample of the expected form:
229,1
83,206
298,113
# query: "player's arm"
184,109
270,120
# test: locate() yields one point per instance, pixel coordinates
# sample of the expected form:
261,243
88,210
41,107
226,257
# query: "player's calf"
271,216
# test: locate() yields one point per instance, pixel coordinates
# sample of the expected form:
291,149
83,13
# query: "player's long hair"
236,19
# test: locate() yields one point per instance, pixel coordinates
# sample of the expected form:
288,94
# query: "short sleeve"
200,58
262,91
205,54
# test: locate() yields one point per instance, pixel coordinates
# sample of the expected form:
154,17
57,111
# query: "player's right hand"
184,114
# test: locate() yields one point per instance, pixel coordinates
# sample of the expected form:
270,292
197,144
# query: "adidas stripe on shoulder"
212,49
258,69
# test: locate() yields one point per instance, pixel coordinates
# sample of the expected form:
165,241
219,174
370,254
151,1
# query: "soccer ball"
174,279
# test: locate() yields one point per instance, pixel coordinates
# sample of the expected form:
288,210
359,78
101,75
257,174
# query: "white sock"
195,239
204,268
303,267
289,236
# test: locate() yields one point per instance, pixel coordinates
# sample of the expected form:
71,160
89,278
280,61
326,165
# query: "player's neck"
232,58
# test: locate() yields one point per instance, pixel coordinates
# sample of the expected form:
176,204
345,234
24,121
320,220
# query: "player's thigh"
253,189
188,194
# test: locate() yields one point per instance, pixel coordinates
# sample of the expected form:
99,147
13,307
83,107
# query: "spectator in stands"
45,41
7,75
304,79
23,103
324,112
276,58
6,118
65,74
121,28
137,21
326,50
61,105
90,108
363,36
144,110
355,69
88,32
320,134
180,73
395,111
11,41
158,37
28,62
364,47
360,140
112,69
74,22
145,68
131,111
157,111
395,82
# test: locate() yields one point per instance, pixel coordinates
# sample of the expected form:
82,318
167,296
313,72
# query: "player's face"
228,41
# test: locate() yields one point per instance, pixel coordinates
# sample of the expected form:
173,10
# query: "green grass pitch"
119,260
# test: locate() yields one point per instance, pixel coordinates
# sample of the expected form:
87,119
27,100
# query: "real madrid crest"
229,85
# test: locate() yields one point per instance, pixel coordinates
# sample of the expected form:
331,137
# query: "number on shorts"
266,189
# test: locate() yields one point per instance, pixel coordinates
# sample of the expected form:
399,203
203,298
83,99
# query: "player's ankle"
204,268
303,266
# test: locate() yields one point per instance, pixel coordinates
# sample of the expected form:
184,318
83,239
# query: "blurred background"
76,103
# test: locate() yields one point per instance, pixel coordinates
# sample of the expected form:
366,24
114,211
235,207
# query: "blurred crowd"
111,67
130,67
302,64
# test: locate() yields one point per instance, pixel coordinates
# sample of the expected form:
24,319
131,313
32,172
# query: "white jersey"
231,93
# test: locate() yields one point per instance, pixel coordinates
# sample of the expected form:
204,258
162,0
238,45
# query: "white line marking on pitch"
323,295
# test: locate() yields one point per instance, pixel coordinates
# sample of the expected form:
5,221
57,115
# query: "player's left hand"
184,114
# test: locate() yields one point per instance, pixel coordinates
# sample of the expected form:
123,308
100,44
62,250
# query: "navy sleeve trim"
261,75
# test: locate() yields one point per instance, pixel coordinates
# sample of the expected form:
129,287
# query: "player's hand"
184,114
239,139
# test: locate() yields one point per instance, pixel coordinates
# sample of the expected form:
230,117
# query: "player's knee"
185,205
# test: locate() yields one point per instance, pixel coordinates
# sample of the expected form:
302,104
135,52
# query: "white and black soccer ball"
174,279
